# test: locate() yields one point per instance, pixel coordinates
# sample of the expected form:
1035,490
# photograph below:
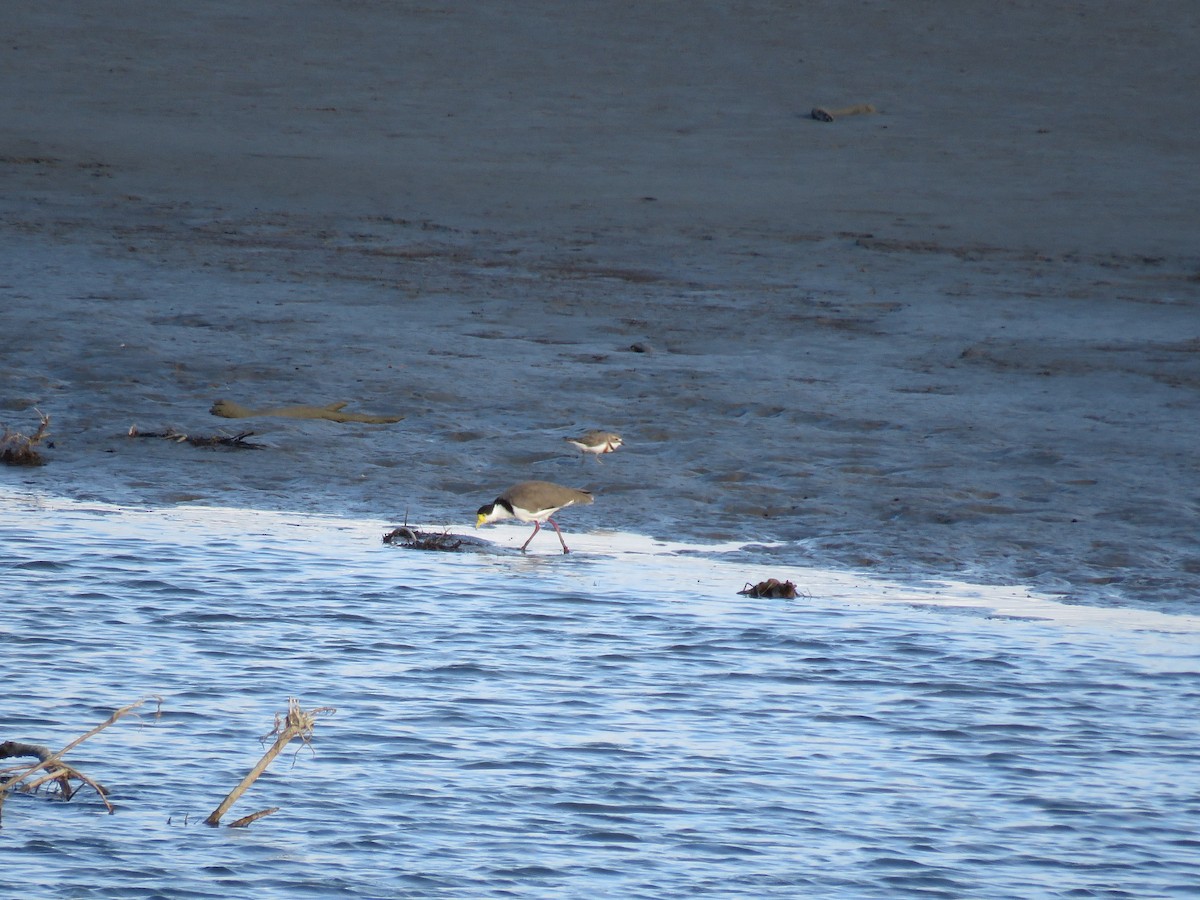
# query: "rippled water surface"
617,722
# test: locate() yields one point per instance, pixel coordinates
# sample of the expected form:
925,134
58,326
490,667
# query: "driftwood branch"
297,723
17,449
414,539
333,411
16,748
245,821
51,765
44,755
236,441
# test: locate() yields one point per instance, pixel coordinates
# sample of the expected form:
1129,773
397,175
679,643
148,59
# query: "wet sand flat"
958,335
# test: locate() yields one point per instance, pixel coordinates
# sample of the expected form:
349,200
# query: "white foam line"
857,587
675,563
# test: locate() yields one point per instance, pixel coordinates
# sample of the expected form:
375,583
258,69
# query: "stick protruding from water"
297,723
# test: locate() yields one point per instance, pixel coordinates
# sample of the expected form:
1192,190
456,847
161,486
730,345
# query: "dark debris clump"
772,587
412,539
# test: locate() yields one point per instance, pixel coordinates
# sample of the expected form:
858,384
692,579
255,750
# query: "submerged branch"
413,539
51,765
297,723
236,441
246,821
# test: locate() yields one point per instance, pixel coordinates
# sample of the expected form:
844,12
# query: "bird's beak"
480,519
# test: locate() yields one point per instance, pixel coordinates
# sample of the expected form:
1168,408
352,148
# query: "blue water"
616,723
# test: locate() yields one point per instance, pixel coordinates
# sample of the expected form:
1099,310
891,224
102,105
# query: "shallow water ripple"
540,727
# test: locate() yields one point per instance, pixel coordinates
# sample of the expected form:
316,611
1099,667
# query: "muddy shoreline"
958,336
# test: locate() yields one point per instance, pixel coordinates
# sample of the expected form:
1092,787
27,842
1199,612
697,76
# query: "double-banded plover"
596,442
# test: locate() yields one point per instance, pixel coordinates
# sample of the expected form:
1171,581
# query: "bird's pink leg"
559,533
537,526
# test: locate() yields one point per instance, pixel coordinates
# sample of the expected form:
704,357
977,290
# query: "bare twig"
53,767
297,723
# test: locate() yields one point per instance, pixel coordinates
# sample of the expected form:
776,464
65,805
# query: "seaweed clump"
412,539
772,587
17,449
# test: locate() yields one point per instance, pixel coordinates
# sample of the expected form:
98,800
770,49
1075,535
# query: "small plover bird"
596,443
533,501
